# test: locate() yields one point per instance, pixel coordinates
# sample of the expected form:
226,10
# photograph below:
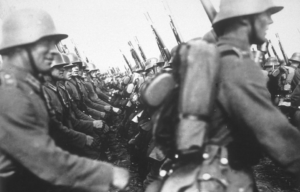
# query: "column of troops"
199,121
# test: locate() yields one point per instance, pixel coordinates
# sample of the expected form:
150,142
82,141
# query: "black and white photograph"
149,96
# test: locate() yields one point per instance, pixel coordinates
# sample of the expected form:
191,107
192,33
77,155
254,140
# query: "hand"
102,115
89,140
98,124
106,128
120,177
107,108
116,110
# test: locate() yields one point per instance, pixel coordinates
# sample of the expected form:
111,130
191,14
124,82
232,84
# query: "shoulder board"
62,86
227,49
49,85
7,80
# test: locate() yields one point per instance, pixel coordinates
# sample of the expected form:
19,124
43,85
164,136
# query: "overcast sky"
100,28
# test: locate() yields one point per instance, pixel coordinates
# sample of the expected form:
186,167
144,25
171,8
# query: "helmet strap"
253,36
36,72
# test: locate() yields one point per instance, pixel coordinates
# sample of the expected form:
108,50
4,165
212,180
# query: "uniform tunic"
25,145
245,120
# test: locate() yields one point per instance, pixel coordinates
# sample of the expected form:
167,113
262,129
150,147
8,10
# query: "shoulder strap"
227,49
7,80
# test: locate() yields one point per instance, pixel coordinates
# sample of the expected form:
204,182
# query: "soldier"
242,93
30,161
89,84
159,65
68,132
244,123
295,61
150,67
78,92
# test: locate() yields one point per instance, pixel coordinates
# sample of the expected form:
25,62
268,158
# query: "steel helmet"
67,60
271,61
27,26
74,59
295,57
150,63
138,70
160,60
58,60
237,8
91,67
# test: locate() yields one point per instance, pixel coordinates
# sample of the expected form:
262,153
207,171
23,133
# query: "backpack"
183,102
185,98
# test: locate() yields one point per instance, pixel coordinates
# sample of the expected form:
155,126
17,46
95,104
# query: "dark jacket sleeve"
26,140
83,126
69,136
79,114
245,98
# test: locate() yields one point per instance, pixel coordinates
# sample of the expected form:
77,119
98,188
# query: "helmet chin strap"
36,72
253,36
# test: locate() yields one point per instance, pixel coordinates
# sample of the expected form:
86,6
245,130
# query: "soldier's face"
57,73
75,70
84,74
67,73
80,72
43,53
261,25
93,73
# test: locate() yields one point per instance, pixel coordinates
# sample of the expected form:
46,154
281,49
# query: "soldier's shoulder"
7,80
10,92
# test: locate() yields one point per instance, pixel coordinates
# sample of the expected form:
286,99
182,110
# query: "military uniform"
245,121
80,121
90,86
25,143
61,128
78,97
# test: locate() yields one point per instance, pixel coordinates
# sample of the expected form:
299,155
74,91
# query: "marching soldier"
244,123
243,94
30,161
295,61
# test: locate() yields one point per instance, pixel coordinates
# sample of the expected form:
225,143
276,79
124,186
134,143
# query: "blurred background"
101,28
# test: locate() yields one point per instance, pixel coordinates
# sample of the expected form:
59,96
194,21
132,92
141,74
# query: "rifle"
76,50
127,62
135,56
126,69
282,50
209,9
161,46
172,25
141,50
274,51
59,47
267,48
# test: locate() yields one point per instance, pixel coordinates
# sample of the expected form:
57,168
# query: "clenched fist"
98,124
120,177
89,140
